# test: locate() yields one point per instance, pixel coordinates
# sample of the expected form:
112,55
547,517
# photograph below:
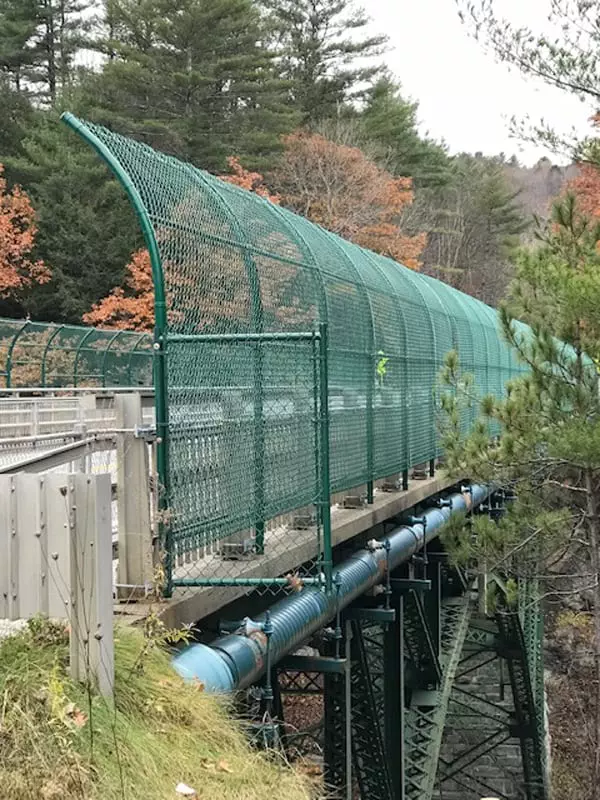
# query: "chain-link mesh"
244,428
47,355
233,263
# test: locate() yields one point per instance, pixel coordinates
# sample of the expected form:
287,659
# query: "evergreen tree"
86,229
38,43
320,52
16,115
193,78
473,225
18,24
547,449
391,121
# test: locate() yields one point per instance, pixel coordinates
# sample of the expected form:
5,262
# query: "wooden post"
56,560
28,567
133,500
56,512
91,617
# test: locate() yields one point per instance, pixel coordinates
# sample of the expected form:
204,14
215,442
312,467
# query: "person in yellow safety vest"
381,367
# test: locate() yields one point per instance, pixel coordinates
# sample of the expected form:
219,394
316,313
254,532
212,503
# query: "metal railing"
49,355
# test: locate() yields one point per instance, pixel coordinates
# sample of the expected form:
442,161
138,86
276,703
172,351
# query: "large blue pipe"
238,660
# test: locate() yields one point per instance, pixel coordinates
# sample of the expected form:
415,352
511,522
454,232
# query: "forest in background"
288,96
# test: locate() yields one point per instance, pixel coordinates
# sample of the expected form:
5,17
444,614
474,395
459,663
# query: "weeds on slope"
60,740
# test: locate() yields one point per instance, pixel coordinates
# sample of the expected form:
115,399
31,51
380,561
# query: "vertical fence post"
8,549
348,709
86,410
325,488
160,333
371,425
35,418
28,565
92,642
165,532
133,499
337,725
5,544
259,448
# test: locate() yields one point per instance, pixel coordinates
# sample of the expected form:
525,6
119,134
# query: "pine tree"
193,78
38,43
547,447
16,116
320,51
473,223
19,21
391,121
86,229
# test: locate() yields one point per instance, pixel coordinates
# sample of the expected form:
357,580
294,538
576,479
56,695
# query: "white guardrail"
94,433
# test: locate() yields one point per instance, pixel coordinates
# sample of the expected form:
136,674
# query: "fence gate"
246,444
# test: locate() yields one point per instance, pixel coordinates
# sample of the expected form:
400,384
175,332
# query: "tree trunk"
594,529
62,46
50,46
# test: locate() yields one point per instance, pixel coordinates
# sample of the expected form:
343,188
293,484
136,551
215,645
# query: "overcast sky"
464,96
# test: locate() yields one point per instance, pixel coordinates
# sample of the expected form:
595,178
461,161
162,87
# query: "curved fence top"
49,355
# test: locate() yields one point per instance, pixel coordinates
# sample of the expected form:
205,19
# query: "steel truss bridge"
295,378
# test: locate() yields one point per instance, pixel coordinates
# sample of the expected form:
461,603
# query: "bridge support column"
337,701
393,683
432,601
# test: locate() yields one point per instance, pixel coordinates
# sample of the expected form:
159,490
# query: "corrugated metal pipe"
237,660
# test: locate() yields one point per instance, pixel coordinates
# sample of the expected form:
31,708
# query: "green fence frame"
40,355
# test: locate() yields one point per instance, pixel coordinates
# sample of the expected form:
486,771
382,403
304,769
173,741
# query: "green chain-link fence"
226,261
248,425
48,355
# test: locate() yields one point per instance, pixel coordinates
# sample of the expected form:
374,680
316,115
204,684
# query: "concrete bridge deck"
189,605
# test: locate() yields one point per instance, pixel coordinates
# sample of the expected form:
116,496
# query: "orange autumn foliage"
251,181
340,188
586,185
131,307
586,188
18,270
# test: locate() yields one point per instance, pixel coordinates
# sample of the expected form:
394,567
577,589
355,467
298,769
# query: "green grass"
60,741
